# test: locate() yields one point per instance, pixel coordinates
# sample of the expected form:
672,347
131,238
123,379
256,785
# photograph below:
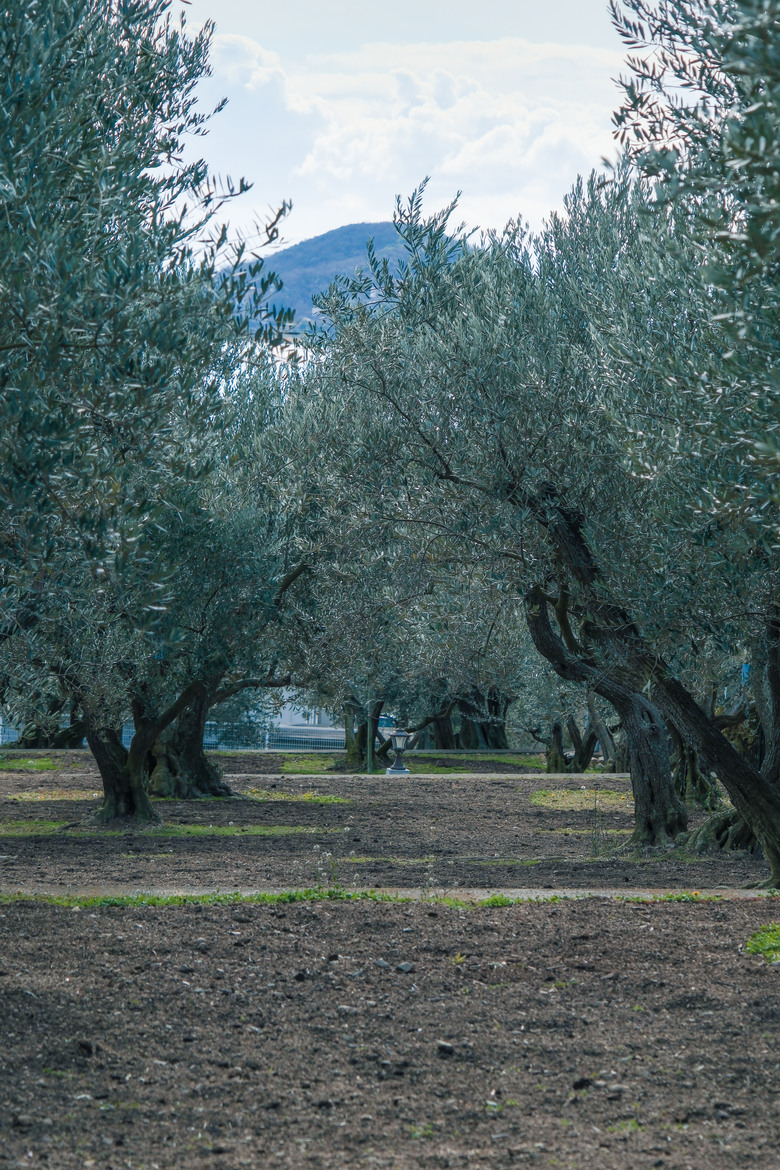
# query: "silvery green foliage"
467,400
701,114
204,602
114,333
126,316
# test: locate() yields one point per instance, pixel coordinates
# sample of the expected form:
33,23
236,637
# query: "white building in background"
300,717
300,727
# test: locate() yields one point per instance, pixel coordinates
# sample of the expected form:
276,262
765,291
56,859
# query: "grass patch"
38,794
766,942
581,799
313,765
234,830
389,860
510,860
26,763
78,902
265,794
39,828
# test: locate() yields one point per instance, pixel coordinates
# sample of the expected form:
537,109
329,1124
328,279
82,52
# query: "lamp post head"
399,739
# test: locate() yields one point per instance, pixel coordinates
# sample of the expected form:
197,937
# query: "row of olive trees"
529,442
592,410
166,543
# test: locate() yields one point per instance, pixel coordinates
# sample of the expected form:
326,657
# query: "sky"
339,106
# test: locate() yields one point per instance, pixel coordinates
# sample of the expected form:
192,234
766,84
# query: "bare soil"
580,1033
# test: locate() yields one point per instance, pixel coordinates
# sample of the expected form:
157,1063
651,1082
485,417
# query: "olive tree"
125,313
493,362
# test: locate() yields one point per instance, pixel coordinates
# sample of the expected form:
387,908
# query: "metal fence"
227,738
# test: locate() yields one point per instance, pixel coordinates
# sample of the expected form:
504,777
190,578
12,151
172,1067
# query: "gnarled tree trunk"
659,814
181,767
124,795
627,655
555,756
483,721
584,745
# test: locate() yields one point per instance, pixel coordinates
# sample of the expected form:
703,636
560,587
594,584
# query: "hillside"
309,267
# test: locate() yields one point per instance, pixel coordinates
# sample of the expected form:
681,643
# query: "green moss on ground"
38,828
38,794
314,765
264,794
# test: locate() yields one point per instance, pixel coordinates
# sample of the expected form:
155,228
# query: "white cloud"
509,122
241,61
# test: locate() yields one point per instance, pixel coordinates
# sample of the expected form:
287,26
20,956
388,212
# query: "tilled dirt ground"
579,1033
429,831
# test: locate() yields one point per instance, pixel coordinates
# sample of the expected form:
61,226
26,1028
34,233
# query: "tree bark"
755,796
606,742
692,785
125,772
182,769
659,812
443,733
124,795
584,745
483,721
555,755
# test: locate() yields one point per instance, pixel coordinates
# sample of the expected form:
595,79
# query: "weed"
325,865
766,942
458,959
421,1131
629,1125
687,896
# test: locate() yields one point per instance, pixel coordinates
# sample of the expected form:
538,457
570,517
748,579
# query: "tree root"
723,830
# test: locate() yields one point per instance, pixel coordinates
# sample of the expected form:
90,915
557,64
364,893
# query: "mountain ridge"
309,267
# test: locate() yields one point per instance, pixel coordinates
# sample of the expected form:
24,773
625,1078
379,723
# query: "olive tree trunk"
124,795
483,720
659,813
182,769
624,653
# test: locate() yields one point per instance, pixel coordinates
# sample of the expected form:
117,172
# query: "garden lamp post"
399,739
